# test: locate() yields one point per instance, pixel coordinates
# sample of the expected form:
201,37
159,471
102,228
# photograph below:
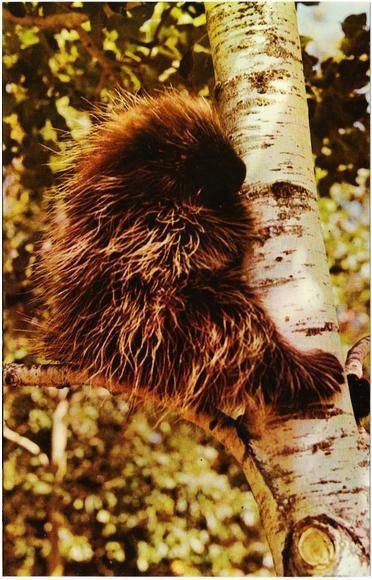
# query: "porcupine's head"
185,156
160,174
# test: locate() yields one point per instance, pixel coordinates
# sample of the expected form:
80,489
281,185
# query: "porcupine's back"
151,212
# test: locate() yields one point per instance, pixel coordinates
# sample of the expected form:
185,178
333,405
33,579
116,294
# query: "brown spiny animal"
144,274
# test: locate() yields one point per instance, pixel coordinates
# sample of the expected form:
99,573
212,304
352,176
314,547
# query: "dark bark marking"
277,230
325,445
327,327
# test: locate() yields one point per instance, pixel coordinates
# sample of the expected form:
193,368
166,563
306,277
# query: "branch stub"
316,548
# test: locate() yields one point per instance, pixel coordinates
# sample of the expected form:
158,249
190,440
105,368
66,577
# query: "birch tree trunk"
309,474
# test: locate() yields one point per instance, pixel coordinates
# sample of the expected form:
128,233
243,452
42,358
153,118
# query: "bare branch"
108,10
58,376
68,20
355,357
163,19
226,430
95,52
26,443
59,436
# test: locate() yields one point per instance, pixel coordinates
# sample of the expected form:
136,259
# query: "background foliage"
134,494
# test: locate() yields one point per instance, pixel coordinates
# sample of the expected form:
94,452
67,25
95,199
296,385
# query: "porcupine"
144,275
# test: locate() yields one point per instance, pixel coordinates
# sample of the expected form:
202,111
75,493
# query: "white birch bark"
309,475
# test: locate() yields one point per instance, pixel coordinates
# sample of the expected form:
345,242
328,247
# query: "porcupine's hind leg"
286,376
246,357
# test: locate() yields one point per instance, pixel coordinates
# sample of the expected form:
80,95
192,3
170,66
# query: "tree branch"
355,357
228,431
156,35
95,52
26,443
68,20
359,386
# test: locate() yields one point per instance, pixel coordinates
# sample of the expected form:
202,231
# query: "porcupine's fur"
143,277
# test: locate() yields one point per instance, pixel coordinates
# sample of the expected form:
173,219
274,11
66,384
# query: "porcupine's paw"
317,376
295,379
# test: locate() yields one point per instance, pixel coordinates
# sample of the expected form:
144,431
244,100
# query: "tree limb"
355,357
26,443
68,20
95,52
228,431
359,386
